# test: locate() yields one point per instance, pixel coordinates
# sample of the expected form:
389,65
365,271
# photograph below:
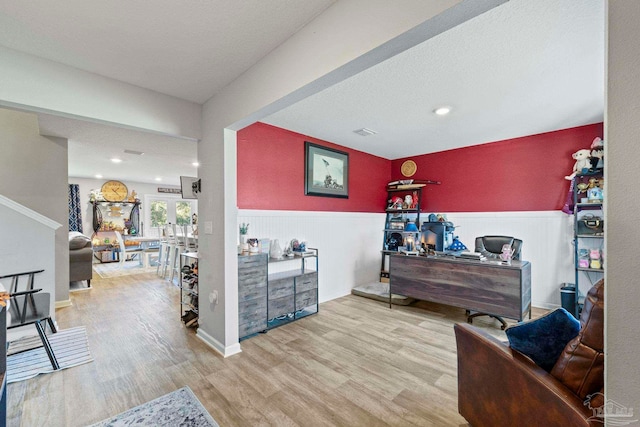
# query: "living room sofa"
80,258
499,386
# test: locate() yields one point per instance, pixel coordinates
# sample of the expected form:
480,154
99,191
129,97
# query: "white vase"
275,251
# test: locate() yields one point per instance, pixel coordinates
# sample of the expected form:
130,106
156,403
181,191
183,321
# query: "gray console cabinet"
267,300
252,294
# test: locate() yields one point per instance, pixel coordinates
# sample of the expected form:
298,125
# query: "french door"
165,209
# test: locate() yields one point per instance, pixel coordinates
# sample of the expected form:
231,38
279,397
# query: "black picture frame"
326,171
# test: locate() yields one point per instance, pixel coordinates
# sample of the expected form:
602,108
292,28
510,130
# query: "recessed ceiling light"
365,132
196,164
98,176
442,111
116,160
158,179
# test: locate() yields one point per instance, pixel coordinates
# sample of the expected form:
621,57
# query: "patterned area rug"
109,270
27,358
178,408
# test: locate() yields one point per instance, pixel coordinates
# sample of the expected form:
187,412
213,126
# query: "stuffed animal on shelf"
597,153
395,203
408,201
414,203
582,163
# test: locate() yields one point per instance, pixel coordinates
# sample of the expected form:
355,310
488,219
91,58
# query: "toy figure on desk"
507,253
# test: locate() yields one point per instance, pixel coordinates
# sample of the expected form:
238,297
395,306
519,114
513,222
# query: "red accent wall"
271,174
520,174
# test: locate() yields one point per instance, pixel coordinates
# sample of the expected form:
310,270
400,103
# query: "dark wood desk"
484,286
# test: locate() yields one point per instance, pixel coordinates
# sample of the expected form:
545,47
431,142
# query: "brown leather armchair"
498,386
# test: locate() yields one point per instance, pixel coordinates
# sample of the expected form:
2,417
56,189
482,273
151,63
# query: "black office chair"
491,247
31,307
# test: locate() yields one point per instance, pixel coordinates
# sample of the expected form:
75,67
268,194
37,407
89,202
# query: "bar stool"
152,249
191,241
178,248
169,250
163,249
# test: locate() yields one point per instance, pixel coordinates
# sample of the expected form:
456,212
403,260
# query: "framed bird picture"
326,171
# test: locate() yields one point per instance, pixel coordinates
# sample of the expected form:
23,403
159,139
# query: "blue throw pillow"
544,338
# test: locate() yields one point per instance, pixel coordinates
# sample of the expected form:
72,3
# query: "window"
158,212
183,213
162,210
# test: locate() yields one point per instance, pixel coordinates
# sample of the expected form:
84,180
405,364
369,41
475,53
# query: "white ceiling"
92,146
188,49
522,68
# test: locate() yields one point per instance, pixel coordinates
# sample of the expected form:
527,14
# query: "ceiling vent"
365,132
137,153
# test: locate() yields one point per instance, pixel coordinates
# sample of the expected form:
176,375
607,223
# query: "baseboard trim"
217,345
63,303
545,305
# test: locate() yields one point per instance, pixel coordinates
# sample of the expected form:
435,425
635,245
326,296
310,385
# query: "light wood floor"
355,363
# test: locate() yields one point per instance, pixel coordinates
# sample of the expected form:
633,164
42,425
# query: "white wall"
350,244
622,205
33,172
41,85
32,238
547,243
336,45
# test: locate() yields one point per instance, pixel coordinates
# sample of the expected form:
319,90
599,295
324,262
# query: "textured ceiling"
186,49
92,145
523,68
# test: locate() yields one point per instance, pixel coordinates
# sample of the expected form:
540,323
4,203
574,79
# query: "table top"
143,238
514,264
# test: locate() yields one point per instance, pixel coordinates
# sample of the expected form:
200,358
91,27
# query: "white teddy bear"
582,162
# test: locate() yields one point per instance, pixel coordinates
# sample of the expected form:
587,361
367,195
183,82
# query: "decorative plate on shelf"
408,168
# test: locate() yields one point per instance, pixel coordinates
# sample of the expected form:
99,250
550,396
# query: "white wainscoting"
349,244
547,243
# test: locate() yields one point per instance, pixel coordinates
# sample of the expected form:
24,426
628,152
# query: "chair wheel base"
498,318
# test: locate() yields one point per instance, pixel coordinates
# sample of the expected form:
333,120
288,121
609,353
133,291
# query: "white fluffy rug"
114,269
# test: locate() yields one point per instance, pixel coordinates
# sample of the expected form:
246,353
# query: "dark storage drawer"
281,306
252,277
251,310
306,298
252,291
248,261
306,282
280,288
252,327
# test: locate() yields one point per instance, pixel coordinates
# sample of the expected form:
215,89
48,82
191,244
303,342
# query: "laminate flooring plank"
324,399
355,363
255,409
259,378
378,406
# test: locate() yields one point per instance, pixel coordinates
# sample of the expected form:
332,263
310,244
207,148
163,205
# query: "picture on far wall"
326,171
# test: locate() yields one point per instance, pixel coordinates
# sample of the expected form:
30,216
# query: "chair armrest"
498,386
26,273
32,291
